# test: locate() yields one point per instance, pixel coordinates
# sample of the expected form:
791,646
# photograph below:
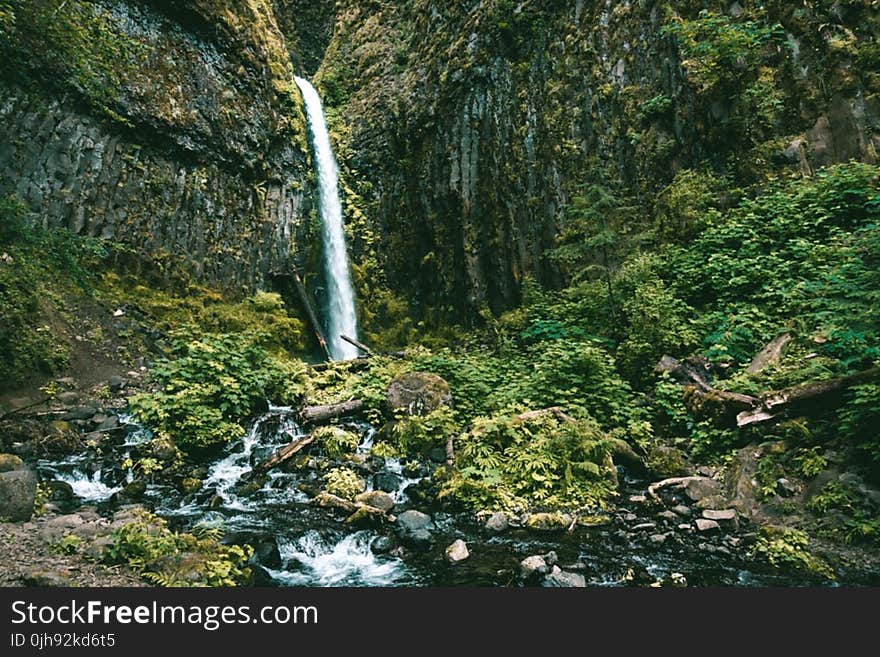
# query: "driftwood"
326,413
310,313
358,511
352,365
280,456
771,353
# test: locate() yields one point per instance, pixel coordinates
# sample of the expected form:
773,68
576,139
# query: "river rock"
418,393
533,567
79,413
10,462
377,499
724,517
565,579
60,491
497,523
644,526
668,516
457,552
700,487
682,510
116,383
742,484
705,525
18,488
266,552
388,482
548,522
382,545
414,528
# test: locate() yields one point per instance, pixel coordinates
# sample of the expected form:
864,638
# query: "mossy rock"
418,393
190,485
665,461
548,522
10,462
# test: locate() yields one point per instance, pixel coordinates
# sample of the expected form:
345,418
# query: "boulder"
413,528
742,483
60,491
706,525
382,545
266,552
682,510
548,522
497,523
10,462
533,567
699,487
457,552
418,393
388,482
376,499
724,517
18,488
79,413
564,579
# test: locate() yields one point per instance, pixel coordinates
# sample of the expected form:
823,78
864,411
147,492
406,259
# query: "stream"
300,544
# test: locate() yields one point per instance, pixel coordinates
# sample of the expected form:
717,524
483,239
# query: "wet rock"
677,580
10,462
533,567
665,462
682,510
668,516
742,485
382,545
60,491
116,383
135,490
705,525
377,499
457,552
388,482
437,454
564,579
18,489
79,413
725,517
266,552
46,578
261,577
786,488
68,398
700,487
368,516
638,499
414,528
658,538
548,522
418,393
497,523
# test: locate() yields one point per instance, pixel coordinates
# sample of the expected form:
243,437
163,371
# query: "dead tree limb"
280,456
326,413
310,313
677,482
359,345
771,353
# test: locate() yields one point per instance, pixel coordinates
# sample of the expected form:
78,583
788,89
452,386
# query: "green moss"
790,547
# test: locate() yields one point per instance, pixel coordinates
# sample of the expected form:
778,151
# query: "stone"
551,558
382,545
46,578
437,454
418,393
10,462
266,552
565,579
68,398
712,502
685,527
548,522
388,482
700,487
108,424
116,383
497,523
457,552
414,528
682,510
678,580
638,499
60,491
786,488
376,499
658,538
705,525
669,516
79,413
665,462
18,488
532,567
725,517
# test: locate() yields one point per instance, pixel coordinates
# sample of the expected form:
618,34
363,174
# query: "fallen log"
325,413
310,313
280,456
803,399
352,365
677,482
359,513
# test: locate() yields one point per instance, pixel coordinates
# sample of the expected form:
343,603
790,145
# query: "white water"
349,562
341,318
88,487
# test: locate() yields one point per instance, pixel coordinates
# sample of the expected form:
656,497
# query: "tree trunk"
324,414
310,313
771,353
280,456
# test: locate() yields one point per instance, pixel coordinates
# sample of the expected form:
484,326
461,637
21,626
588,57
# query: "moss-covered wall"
174,127
465,129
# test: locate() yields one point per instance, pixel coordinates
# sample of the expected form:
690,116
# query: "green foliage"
860,419
337,442
419,433
343,482
834,495
39,269
68,544
169,558
40,498
209,384
506,463
810,462
790,547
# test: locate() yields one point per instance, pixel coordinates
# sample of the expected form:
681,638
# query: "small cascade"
341,317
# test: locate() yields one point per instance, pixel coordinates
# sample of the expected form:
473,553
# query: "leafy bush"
790,547
211,383
337,441
343,482
169,558
419,433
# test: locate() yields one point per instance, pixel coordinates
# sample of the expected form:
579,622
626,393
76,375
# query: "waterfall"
341,318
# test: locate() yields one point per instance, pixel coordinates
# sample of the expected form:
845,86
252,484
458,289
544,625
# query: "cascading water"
341,317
